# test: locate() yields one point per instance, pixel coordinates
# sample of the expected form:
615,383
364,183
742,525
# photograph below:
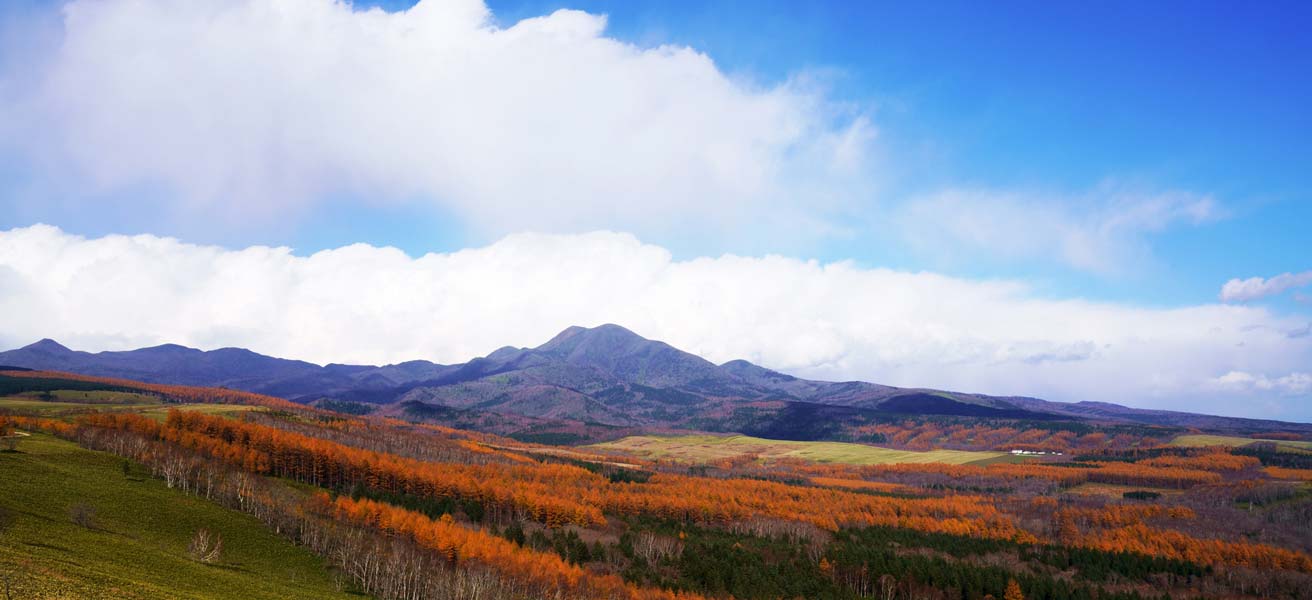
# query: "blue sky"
1209,96
1206,97
1133,155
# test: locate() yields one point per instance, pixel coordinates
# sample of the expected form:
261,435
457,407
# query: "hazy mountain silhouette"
605,375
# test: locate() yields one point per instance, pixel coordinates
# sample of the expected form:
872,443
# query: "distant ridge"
171,363
606,375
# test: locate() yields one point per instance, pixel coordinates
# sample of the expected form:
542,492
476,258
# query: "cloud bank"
252,109
1256,288
830,320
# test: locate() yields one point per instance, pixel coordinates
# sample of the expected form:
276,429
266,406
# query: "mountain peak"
170,349
626,356
609,335
611,327
47,345
754,372
505,353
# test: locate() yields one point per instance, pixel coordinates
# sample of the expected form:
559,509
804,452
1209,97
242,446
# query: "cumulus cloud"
1102,230
1256,288
239,114
828,320
250,108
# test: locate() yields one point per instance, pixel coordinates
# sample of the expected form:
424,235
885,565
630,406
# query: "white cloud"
1256,288
830,320
1293,384
236,114
1103,230
252,108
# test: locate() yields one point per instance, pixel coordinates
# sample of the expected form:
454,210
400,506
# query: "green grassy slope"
138,546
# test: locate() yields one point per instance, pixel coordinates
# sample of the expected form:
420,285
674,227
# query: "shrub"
1141,495
205,547
83,515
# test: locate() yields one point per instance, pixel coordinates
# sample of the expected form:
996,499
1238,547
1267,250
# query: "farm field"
160,412
90,397
140,530
1199,440
28,405
73,402
707,448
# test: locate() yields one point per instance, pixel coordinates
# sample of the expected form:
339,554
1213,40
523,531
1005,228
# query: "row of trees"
1053,437
1209,461
377,564
1155,541
461,545
1289,474
555,494
1120,515
393,437
394,520
1064,475
869,563
538,491
522,490
1152,476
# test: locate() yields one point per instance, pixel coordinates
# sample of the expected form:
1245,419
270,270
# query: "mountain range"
605,376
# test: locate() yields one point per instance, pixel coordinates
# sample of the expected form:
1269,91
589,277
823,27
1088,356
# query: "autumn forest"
400,509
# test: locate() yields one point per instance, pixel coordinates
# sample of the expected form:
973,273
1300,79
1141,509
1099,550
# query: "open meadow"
707,448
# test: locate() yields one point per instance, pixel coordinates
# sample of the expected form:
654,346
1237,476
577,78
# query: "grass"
706,448
72,402
1238,442
91,397
137,547
161,412
1007,458
46,408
